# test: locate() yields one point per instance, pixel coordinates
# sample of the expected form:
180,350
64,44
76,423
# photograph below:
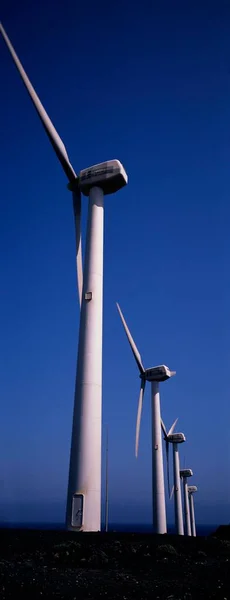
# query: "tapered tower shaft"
107,482
177,492
84,486
192,515
158,488
186,508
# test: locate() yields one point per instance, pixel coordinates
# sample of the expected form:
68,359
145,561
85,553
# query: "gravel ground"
63,565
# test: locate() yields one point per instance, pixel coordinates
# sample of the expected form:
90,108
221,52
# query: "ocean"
202,530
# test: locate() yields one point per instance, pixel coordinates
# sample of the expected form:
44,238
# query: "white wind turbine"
84,486
192,489
175,439
155,375
184,474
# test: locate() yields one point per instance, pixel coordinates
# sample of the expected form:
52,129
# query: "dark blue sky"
151,86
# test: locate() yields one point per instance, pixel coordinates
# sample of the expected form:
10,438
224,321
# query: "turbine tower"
191,490
184,474
107,481
175,439
84,486
155,375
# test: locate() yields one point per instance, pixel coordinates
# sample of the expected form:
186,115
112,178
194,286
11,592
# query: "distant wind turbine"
175,439
192,489
84,487
155,375
184,474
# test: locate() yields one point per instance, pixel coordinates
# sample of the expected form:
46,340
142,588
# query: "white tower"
175,439
184,474
84,488
192,489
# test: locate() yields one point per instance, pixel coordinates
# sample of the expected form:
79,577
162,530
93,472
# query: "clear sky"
151,86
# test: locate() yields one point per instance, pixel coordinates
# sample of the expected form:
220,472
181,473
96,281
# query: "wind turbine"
191,490
184,474
84,486
175,439
155,375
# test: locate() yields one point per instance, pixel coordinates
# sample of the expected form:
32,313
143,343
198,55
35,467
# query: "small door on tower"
77,511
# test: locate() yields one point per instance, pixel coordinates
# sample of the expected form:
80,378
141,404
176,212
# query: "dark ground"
122,566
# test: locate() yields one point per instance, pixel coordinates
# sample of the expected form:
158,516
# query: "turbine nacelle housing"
192,489
160,373
176,438
186,473
110,176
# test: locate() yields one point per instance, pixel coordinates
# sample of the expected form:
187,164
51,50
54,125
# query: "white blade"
134,349
167,461
61,153
163,428
47,124
167,454
139,413
171,430
77,221
172,492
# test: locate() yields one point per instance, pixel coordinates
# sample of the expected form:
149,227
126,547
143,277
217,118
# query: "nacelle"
176,438
192,489
110,176
186,473
160,373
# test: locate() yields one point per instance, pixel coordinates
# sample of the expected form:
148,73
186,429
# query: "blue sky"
151,86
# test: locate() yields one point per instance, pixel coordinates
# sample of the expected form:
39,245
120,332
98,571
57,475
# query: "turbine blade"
172,492
167,461
163,428
139,413
55,139
134,349
171,430
77,220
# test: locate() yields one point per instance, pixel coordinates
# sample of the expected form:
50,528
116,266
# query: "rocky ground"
61,565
